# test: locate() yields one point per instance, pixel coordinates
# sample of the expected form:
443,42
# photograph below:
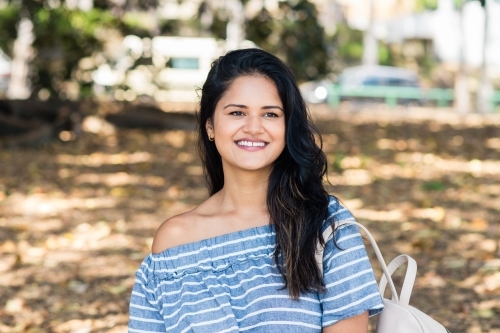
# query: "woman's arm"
144,316
356,324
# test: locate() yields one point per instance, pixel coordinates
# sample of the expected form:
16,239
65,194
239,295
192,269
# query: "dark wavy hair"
296,198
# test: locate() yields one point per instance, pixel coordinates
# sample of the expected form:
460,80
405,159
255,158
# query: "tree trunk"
206,14
485,88
462,94
20,85
86,5
235,27
370,48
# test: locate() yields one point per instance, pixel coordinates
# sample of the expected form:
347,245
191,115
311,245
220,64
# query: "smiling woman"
249,132
244,259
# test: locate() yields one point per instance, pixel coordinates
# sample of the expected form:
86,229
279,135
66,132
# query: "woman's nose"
253,124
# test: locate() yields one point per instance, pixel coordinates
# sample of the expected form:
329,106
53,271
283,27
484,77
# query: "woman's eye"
236,113
270,114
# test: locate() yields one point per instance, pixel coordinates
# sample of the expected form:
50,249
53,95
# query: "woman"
244,260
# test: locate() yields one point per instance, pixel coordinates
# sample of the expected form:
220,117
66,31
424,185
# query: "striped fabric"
230,283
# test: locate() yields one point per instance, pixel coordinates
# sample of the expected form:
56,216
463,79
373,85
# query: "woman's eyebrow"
236,105
271,107
266,107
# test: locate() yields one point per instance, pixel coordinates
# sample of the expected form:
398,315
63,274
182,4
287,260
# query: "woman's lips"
251,144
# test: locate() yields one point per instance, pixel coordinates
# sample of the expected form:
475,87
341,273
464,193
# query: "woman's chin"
252,167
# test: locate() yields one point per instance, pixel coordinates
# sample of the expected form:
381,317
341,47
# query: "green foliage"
74,24
385,55
337,162
460,3
136,23
263,30
9,17
348,47
62,38
426,4
296,37
219,25
433,186
304,40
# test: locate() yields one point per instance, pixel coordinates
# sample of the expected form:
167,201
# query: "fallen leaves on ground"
77,218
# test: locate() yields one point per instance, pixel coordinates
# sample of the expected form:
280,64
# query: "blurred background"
97,140
149,50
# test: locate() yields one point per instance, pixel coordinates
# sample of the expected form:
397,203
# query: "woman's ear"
210,128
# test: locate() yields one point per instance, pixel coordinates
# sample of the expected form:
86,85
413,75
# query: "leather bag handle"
387,274
409,281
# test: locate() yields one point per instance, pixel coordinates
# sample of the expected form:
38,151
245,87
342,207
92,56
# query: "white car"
358,78
5,68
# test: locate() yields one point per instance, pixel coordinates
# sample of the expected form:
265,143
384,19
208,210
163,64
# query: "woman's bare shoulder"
171,233
180,229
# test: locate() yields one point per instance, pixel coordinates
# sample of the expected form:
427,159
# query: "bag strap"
411,273
387,274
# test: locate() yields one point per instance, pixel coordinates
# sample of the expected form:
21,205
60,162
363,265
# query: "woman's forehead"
251,91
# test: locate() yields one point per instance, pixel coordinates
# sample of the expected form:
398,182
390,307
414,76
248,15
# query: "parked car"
5,68
379,76
367,84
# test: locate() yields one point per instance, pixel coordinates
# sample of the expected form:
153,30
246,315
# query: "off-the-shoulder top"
230,283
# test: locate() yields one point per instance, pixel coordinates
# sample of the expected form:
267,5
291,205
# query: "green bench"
495,100
391,94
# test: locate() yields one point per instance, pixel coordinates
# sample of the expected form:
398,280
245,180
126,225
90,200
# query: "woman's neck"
244,192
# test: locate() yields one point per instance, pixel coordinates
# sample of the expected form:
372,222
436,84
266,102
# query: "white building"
443,27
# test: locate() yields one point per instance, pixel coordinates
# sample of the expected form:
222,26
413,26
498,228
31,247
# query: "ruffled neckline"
215,253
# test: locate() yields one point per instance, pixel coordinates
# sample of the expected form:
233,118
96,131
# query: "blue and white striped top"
230,283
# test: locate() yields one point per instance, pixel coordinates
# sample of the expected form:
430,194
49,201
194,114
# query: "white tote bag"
398,316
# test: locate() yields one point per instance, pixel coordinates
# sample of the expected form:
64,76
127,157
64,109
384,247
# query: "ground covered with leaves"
77,218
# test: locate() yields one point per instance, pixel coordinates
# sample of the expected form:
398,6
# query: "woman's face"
249,124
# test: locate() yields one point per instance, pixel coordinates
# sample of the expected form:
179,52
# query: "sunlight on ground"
118,179
98,159
77,218
41,204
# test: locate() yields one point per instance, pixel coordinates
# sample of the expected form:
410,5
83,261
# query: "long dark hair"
296,198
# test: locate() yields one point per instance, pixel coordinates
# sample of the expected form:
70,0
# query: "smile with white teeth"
250,144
